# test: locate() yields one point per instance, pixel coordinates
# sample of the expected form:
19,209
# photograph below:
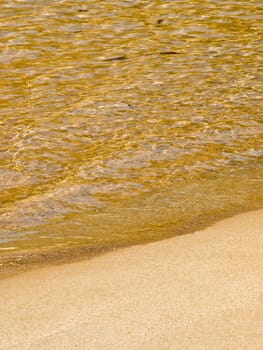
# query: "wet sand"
198,291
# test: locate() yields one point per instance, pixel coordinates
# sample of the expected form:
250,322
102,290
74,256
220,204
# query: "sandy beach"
198,291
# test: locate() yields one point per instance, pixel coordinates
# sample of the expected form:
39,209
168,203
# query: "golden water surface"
125,121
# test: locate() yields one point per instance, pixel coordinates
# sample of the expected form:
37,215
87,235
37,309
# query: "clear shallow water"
98,151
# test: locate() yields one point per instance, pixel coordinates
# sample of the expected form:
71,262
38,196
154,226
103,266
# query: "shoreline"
197,291
23,261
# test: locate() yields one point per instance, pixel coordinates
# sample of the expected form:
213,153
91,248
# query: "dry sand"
198,291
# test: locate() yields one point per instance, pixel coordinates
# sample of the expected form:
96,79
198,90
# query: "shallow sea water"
124,122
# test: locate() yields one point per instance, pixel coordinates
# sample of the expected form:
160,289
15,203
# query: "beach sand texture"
198,291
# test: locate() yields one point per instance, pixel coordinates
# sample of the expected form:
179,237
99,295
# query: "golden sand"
198,291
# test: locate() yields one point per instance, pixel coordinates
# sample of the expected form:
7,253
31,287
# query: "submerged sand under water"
98,152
